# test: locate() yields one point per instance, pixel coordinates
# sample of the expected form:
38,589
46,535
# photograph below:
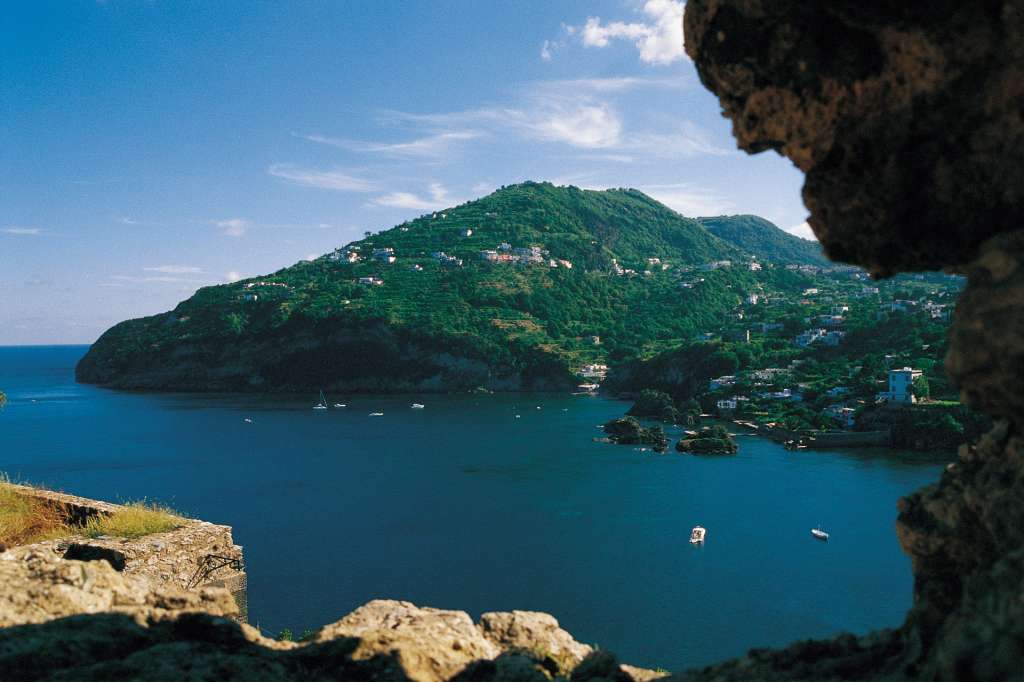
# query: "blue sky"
150,148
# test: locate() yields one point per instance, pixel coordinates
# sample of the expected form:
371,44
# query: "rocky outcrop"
906,119
629,431
710,440
67,619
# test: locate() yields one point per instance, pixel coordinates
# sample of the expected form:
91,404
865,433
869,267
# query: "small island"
710,440
629,431
654,404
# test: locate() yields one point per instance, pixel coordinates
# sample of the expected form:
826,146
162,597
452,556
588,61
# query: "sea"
487,503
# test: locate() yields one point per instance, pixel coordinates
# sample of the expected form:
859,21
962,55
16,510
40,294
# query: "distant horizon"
152,152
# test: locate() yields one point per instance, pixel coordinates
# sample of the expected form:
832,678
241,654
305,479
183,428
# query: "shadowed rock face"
908,120
905,116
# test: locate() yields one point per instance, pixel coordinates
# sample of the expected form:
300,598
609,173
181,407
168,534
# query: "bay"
487,503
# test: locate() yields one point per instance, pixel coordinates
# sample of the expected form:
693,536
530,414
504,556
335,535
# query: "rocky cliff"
906,119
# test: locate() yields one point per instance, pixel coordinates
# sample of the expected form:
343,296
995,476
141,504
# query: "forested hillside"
511,291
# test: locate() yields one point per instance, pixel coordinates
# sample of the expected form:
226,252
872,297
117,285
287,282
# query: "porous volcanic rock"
904,116
907,120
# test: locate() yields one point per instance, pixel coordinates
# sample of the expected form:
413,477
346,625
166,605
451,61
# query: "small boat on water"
697,535
248,420
418,406
819,533
376,414
340,405
322,405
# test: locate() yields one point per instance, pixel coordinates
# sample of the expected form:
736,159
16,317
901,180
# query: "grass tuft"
134,520
24,520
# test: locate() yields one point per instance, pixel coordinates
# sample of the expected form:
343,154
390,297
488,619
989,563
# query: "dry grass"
134,521
24,520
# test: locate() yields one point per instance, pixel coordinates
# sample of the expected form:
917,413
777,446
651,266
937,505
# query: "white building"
808,337
371,281
901,385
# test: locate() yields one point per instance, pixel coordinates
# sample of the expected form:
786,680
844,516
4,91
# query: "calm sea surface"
462,505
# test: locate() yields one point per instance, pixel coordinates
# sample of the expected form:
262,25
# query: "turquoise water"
462,505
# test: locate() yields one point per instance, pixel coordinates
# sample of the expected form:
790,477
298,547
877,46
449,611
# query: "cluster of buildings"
819,336
446,260
506,253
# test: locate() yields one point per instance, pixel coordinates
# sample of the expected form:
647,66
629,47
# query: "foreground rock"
906,119
711,440
84,620
629,431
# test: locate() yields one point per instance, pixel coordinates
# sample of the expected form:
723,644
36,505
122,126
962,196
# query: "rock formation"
72,619
907,120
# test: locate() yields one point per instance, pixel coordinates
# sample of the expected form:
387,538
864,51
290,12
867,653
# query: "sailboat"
322,405
819,533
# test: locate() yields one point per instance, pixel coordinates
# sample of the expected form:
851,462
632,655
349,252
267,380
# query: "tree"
920,387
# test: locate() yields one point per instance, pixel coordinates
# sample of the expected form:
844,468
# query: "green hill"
432,325
756,235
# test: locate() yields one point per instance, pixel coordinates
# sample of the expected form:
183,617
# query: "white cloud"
575,119
803,230
335,180
22,231
125,220
174,269
233,276
690,200
548,48
580,125
438,199
658,38
435,145
233,227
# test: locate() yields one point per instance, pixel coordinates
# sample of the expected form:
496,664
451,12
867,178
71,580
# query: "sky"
148,148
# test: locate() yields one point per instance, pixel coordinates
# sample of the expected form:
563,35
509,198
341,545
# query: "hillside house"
842,414
384,255
721,382
467,232
371,281
808,337
754,266
901,385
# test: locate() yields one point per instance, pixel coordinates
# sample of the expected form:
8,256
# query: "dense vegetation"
757,235
629,431
444,326
710,440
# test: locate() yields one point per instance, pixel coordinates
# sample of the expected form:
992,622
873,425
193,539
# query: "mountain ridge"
510,291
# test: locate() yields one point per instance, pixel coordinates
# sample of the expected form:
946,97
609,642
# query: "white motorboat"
340,405
322,405
418,406
376,414
819,533
697,535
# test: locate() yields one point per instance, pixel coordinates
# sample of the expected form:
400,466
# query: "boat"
418,406
819,533
339,405
376,414
322,405
697,535
248,420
